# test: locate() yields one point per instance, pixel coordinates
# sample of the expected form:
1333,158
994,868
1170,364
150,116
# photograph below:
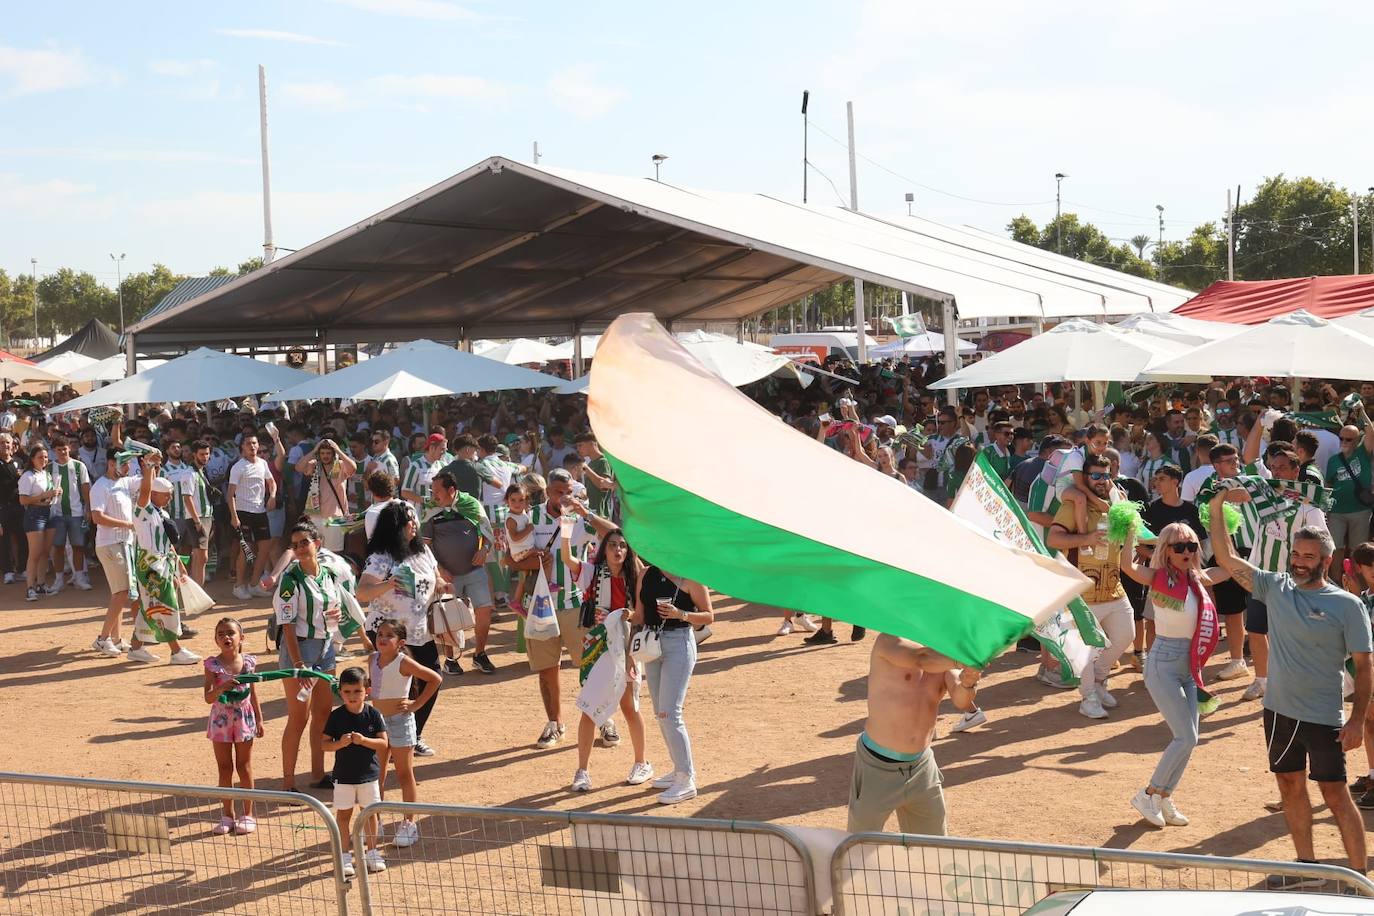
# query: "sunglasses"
1099,475
1184,547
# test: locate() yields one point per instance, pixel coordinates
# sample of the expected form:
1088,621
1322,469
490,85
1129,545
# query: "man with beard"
1315,625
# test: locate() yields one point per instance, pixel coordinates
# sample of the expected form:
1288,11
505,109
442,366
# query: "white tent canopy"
13,370
523,351
110,369
1179,328
1074,351
737,363
64,364
565,349
1295,345
443,369
202,375
1360,322
925,344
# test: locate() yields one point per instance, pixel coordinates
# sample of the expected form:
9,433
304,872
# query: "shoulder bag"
449,617
1364,495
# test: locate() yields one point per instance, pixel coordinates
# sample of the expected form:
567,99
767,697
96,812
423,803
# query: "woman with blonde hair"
1186,634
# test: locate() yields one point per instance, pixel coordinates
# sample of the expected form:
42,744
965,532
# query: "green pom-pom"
1229,512
1122,518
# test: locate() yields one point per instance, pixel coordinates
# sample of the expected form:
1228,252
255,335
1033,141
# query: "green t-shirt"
596,499
1001,464
1343,487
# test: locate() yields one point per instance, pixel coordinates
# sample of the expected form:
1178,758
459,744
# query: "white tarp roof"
522,351
1073,351
443,369
13,370
1295,345
565,349
737,363
1361,322
201,375
67,362
505,249
919,345
1179,328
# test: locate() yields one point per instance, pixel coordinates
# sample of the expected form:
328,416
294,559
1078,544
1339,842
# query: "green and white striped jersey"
302,599
148,531
70,477
1275,539
1148,469
187,480
566,595
420,473
1230,436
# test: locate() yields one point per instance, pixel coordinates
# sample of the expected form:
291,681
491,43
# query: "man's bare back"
906,682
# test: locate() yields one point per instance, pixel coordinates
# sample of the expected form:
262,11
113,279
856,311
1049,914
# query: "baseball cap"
162,485
437,439
887,420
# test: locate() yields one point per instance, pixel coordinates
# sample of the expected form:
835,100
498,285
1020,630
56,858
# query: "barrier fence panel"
72,845
887,873
507,860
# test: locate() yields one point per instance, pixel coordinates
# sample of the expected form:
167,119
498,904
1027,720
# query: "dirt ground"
773,724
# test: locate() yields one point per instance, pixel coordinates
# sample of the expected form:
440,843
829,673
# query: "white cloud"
436,10
413,91
318,95
44,69
575,90
182,68
274,35
433,86
15,193
98,153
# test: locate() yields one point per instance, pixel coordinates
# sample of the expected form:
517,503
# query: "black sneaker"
1293,882
1361,785
857,634
188,632
326,782
1366,799
451,666
821,638
483,663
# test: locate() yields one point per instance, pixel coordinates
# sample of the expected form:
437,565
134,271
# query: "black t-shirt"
1135,491
10,472
465,473
355,765
655,585
1158,514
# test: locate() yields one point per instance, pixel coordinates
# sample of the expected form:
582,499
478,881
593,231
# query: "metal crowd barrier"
73,845
509,860
886,873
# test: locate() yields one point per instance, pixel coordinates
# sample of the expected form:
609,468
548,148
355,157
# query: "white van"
821,345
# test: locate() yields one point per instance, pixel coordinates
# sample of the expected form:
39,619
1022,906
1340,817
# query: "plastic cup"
565,526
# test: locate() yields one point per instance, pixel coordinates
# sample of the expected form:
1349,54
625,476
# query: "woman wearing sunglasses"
1186,633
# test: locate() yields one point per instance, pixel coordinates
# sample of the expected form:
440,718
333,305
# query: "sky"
133,128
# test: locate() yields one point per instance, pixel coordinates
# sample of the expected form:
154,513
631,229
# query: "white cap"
162,485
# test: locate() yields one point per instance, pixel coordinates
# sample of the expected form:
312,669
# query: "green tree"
250,265
144,290
1196,261
1293,228
1140,243
16,306
1083,241
67,299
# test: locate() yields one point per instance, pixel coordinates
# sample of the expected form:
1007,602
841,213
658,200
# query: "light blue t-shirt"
1311,631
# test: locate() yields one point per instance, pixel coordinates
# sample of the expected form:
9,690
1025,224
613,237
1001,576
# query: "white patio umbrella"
1179,328
64,364
737,363
202,375
20,371
1299,345
523,351
1361,322
430,369
1073,351
110,369
565,349
926,344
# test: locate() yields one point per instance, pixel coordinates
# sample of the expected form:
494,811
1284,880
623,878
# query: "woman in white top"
393,672
37,493
1182,610
400,581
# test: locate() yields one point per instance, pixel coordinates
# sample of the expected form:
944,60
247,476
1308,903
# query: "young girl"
393,670
233,726
519,532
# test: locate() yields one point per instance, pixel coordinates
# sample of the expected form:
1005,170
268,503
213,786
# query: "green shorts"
881,787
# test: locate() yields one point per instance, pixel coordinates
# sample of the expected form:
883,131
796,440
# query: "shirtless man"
894,768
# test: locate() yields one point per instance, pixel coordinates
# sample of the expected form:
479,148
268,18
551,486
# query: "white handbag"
194,599
646,645
448,618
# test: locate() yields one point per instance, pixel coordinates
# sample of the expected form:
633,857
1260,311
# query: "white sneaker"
1051,679
373,860
122,645
805,623
1172,816
664,781
785,629
348,869
58,583
105,646
82,581
551,735
184,657
258,591
679,791
242,593
1235,668
1108,701
1092,708
609,735
969,720
143,655
1254,691
9,578
582,781
640,773
1148,806
407,834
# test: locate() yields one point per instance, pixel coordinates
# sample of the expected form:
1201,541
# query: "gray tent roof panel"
505,247
94,339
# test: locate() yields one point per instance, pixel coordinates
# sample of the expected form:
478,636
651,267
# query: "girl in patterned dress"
233,726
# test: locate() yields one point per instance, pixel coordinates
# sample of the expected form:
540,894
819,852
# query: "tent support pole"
464,341
577,350
130,361
951,345
739,331
1038,328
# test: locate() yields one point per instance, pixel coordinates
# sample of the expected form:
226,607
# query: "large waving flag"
717,489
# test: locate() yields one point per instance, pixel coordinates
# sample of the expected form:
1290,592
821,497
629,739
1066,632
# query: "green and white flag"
984,502
912,325
817,532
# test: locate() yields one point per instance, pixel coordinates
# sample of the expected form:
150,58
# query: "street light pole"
1159,249
34,263
659,159
1058,229
119,286
806,137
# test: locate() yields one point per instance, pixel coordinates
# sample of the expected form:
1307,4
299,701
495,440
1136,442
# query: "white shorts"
347,796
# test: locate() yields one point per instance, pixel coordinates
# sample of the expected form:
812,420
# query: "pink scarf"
1168,592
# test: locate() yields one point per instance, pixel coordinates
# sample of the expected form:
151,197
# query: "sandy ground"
773,723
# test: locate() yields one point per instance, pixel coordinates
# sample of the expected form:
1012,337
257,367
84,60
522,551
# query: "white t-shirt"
111,497
250,481
1328,444
35,483
1192,483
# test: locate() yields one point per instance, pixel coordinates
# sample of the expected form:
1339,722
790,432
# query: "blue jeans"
1174,691
668,676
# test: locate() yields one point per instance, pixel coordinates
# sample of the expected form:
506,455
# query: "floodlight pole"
33,262
1230,237
1355,225
536,152
119,286
859,322
1058,229
269,248
806,137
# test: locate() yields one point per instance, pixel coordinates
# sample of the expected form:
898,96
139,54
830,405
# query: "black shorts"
1295,747
255,526
1136,594
1256,617
1230,597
